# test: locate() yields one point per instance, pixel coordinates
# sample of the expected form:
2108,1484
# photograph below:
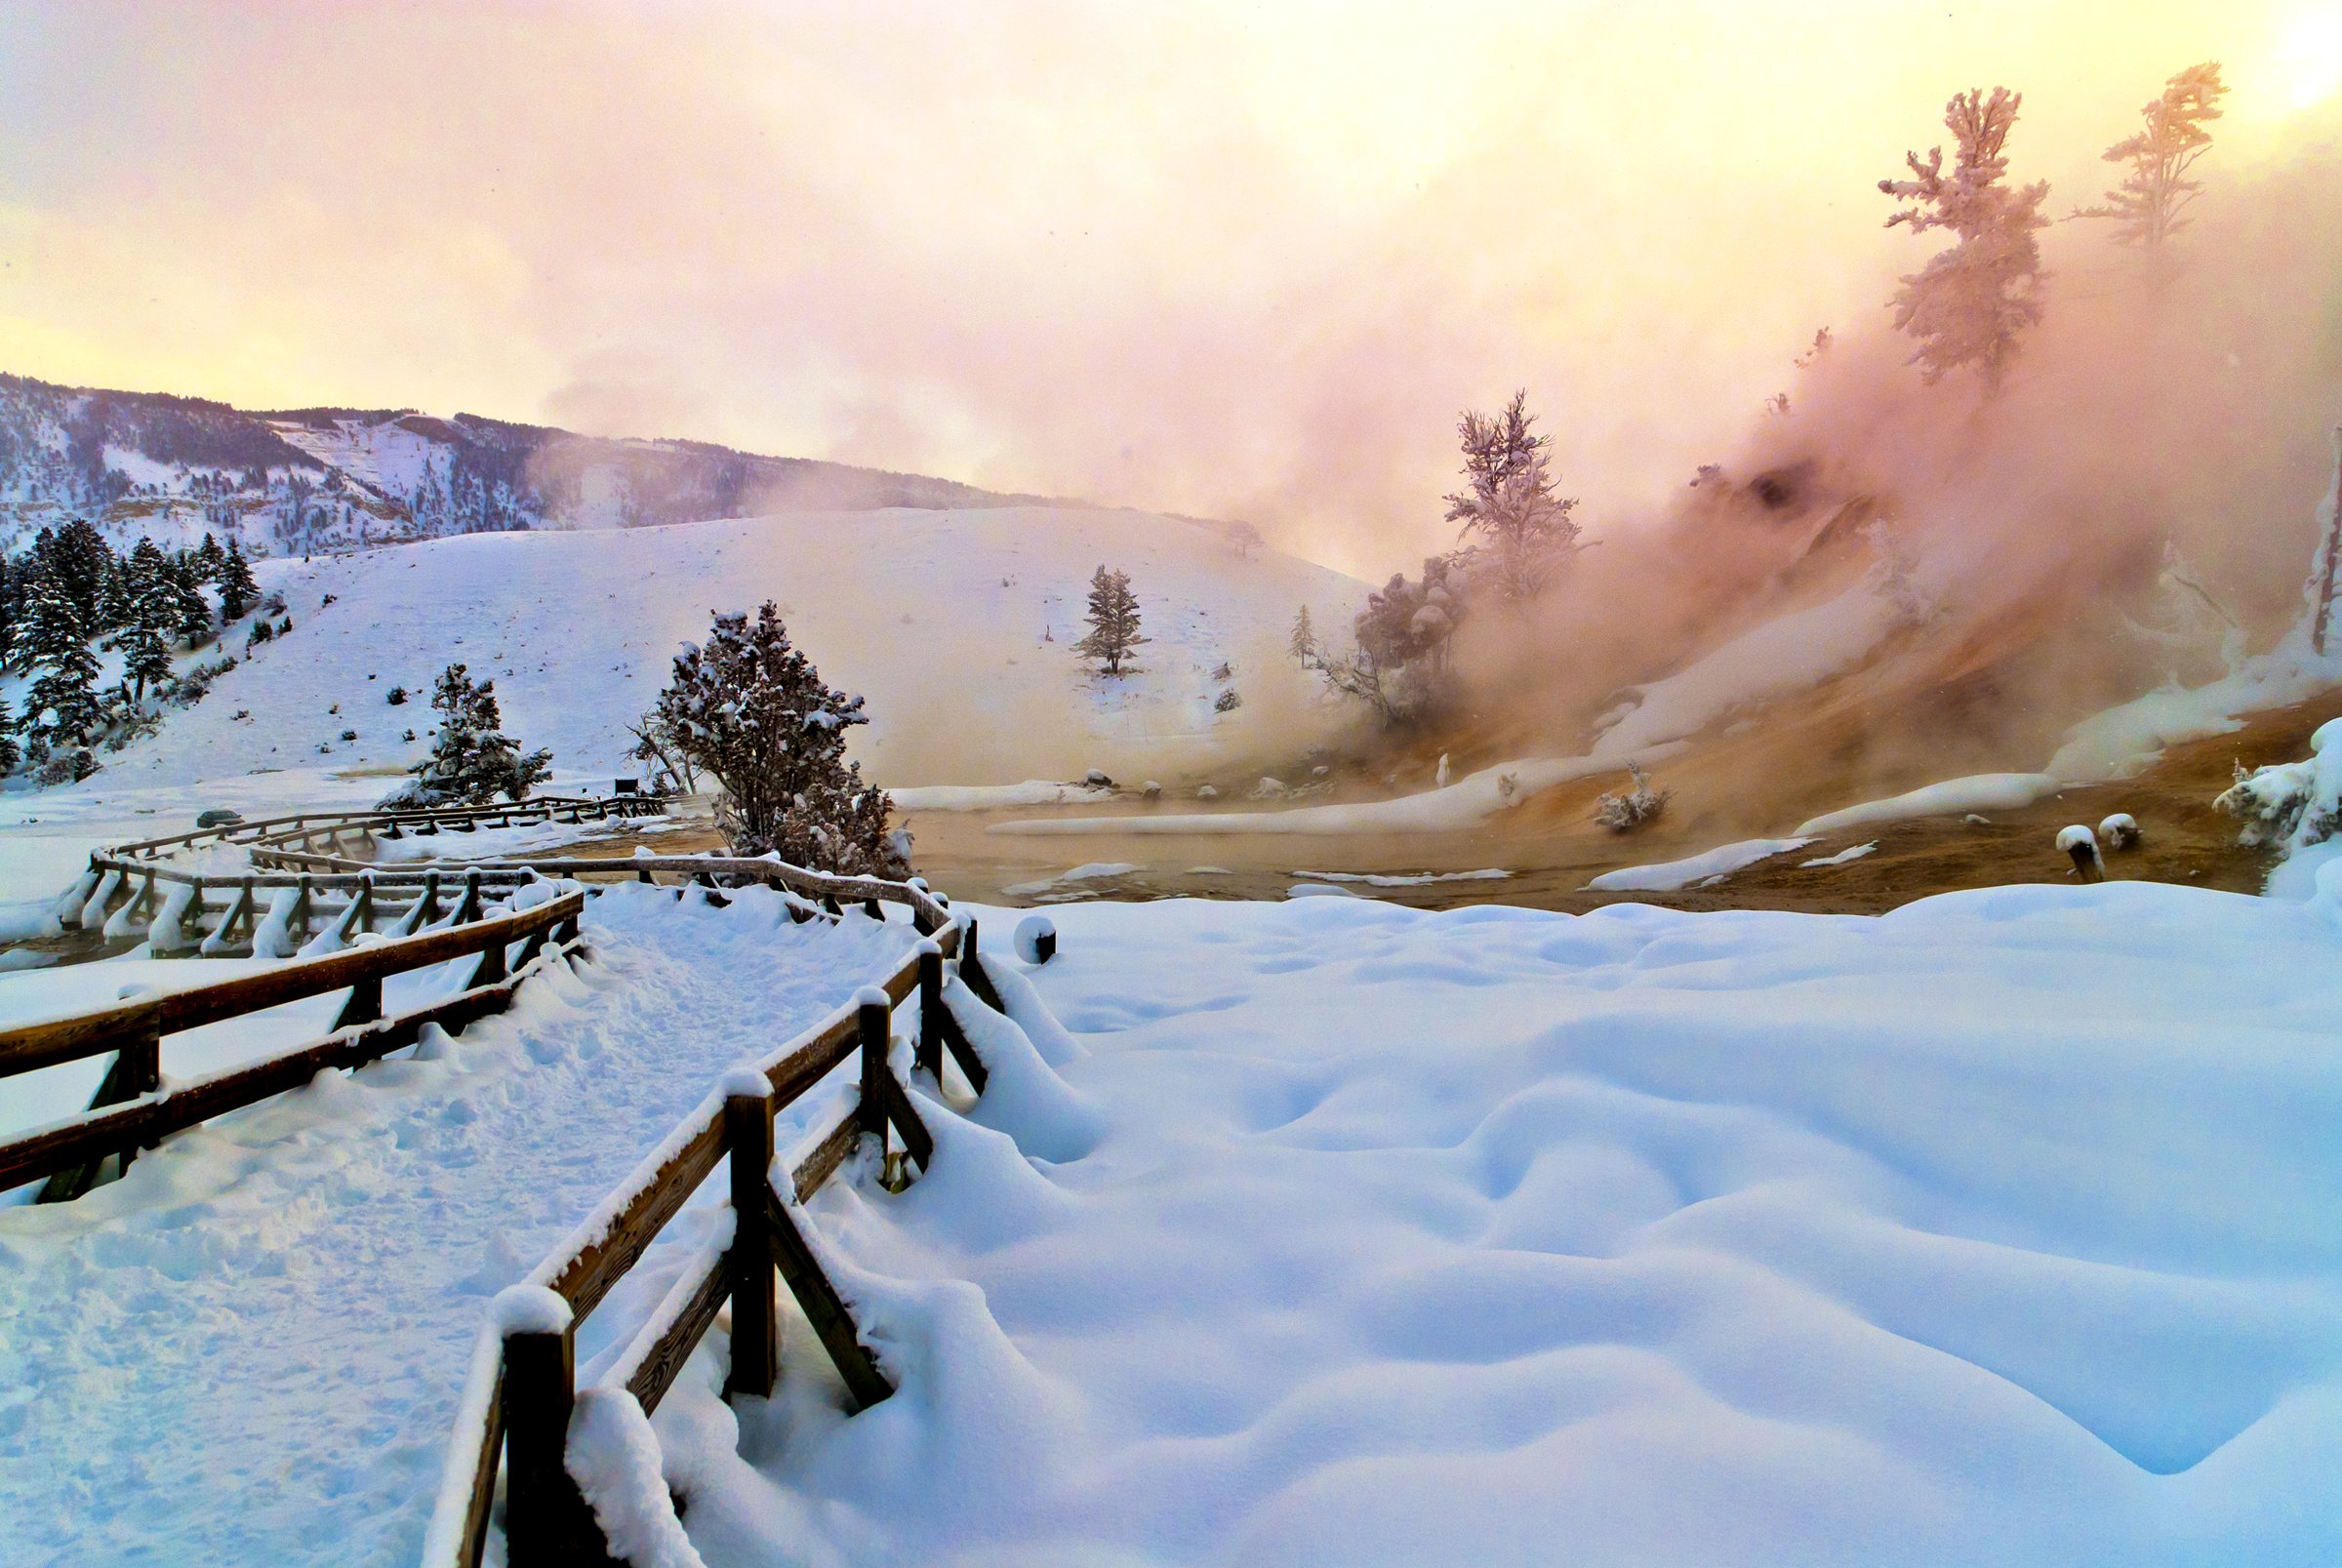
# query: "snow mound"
1981,792
1669,875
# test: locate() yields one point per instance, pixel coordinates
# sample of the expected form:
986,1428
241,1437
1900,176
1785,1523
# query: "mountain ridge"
310,480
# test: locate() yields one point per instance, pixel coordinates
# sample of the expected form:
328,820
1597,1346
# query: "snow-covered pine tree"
117,598
472,761
1525,530
79,559
190,611
1302,644
2146,207
748,709
150,620
1114,616
237,589
1969,304
60,706
209,557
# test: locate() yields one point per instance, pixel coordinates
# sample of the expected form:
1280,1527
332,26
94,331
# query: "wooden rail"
522,1386
132,1108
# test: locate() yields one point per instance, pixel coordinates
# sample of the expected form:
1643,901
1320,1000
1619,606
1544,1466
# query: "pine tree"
472,761
1302,644
237,589
1969,304
150,621
1524,529
1114,616
2147,204
61,707
748,709
78,558
190,611
209,558
117,599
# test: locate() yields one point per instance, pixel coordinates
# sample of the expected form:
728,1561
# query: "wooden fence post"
296,924
469,909
930,1056
870,1028
754,1287
548,1523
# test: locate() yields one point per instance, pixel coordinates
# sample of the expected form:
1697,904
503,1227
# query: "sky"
1236,260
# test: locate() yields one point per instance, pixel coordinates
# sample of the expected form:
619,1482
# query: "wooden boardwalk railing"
521,1388
132,1108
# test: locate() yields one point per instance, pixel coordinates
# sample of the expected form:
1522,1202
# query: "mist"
1208,258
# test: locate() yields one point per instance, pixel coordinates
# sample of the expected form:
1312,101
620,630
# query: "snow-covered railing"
521,1390
134,1108
393,823
178,913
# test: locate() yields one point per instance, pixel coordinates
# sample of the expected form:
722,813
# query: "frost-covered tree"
750,710
209,557
1398,663
1518,528
472,760
1971,305
1302,644
60,706
237,589
2146,207
656,744
1113,618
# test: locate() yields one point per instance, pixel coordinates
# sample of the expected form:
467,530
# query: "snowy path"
249,1351
2001,1229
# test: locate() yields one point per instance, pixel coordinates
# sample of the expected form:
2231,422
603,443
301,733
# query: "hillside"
310,480
956,626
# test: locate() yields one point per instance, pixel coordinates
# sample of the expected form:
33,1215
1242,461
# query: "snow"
1712,864
2077,836
251,1349
1980,791
1996,1230
994,797
1401,880
1030,933
1787,654
1464,804
1852,853
578,630
2130,736
1093,871
528,1309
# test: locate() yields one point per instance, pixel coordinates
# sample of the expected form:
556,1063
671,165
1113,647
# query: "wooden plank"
475,1544
656,1373
821,1162
962,1052
917,1139
591,1271
85,1034
548,1523
136,1070
865,1383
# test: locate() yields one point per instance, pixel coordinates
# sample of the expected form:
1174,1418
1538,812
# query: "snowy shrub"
1224,670
2290,805
750,710
350,735
473,761
1625,811
397,697
1228,701
67,767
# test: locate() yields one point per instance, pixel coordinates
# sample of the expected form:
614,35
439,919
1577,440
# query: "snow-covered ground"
249,1350
1999,1229
957,626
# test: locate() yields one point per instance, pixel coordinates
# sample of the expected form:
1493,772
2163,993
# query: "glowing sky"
1244,259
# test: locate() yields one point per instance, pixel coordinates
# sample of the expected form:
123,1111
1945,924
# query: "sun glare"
2311,55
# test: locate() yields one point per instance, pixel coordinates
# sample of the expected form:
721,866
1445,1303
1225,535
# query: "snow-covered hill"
330,479
958,626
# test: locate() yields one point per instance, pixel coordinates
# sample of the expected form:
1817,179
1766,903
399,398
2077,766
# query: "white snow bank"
1998,1229
1400,880
1843,857
2292,807
994,797
1463,804
1668,875
1981,792
2130,736
613,1458
1094,871
1784,655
